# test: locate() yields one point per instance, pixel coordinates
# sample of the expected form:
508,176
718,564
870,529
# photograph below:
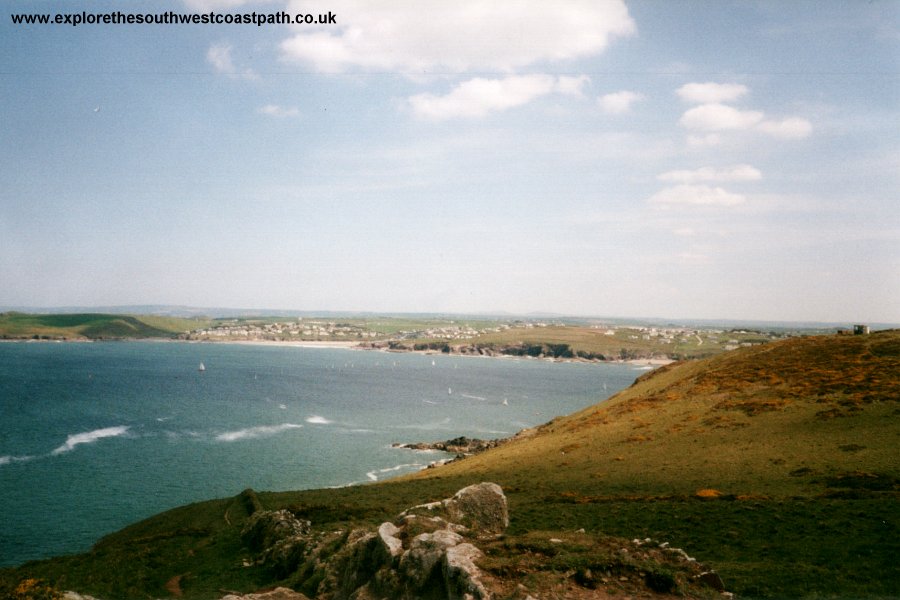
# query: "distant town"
550,338
537,338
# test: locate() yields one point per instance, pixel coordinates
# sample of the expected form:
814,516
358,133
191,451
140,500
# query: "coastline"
653,363
288,344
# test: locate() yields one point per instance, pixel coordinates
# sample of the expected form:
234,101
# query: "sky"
691,159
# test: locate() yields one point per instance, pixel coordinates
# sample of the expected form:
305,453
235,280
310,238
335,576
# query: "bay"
95,436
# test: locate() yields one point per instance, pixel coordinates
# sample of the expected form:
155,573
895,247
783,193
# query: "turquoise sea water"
94,436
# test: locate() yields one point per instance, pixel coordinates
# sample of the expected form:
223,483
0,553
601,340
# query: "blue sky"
692,159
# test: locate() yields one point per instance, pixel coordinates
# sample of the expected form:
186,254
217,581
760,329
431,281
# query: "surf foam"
89,437
317,420
255,432
5,460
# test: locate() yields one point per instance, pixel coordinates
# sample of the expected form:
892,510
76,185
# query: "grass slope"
626,342
15,325
777,465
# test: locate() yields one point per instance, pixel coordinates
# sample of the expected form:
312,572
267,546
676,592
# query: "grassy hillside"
623,342
15,325
777,465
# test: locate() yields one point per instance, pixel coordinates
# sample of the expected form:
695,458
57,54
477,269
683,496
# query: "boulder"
482,508
426,551
462,579
392,545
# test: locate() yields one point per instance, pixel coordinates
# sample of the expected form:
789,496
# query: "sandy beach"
298,344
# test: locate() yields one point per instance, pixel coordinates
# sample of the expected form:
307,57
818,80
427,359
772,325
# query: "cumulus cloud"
790,128
718,117
695,195
618,102
458,36
273,110
478,97
709,174
711,93
704,141
572,86
219,56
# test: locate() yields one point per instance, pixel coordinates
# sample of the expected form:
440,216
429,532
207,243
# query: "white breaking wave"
473,397
5,460
89,437
373,475
255,432
317,420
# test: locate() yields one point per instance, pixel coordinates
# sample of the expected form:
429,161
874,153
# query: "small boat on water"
202,367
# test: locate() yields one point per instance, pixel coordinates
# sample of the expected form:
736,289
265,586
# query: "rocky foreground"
455,549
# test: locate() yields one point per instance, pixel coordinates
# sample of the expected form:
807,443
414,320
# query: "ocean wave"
373,475
473,397
5,460
255,432
89,437
317,420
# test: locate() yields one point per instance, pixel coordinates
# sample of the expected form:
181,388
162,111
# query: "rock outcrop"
426,552
279,536
459,445
433,551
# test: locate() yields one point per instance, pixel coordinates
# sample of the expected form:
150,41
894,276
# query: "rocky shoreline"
550,352
461,446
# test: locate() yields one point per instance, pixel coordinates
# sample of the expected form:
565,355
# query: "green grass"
626,343
799,439
92,326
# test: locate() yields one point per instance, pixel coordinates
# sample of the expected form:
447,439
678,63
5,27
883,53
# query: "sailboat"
505,402
202,367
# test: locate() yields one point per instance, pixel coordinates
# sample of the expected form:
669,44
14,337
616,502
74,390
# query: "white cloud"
695,195
717,117
572,86
618,102
219,56
790,128
273,110
710,93
704,141
460,36
709,174
478,97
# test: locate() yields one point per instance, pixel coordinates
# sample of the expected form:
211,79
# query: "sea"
97,435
